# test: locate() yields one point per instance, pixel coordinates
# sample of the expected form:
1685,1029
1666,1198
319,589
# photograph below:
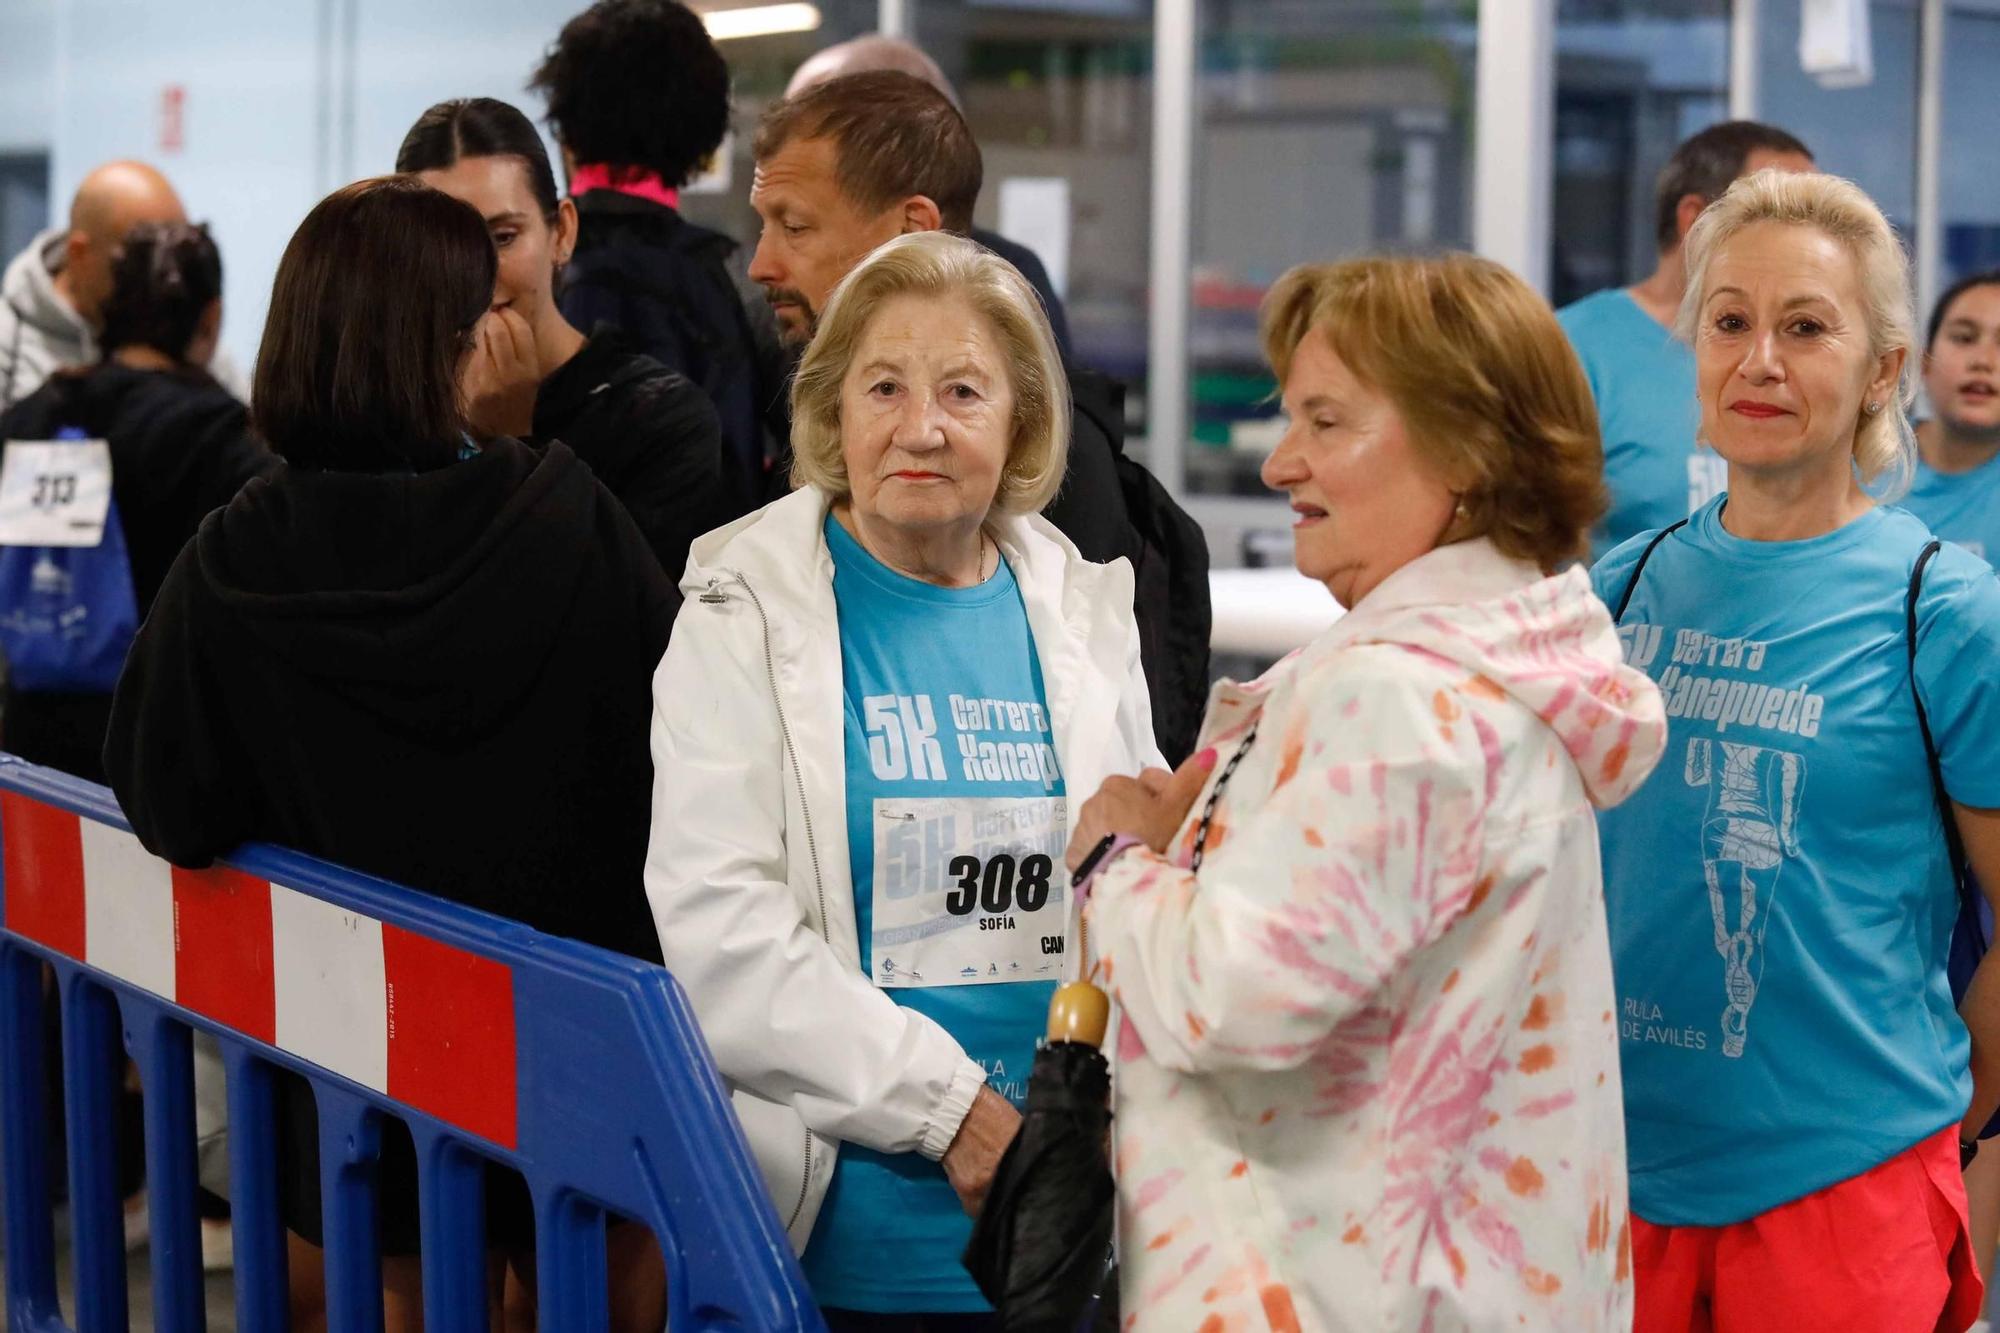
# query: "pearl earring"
1874,409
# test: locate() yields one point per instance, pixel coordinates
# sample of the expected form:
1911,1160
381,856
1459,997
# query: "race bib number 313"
969,890
54,492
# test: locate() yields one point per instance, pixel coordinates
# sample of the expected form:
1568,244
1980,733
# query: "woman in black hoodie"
402,653
179,445
648,433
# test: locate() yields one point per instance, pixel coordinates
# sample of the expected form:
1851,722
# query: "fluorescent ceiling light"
760,21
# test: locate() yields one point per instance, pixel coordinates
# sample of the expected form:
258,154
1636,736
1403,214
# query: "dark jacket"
442,678
180,447
1167,548
647,432
665,282
1031,267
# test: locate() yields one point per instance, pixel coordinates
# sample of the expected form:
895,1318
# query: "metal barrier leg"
163,1048
569,1262
451,1188
93,1067
261,1284
350,1143
24,1143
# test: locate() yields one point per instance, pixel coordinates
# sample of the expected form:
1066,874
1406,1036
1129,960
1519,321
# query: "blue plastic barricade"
582,1069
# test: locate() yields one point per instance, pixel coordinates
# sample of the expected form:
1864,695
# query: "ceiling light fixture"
760,21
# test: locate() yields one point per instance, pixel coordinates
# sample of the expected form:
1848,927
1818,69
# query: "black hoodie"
648,434
180,446
442,678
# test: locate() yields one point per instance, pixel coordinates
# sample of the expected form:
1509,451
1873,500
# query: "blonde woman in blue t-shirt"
880,695
1798,1080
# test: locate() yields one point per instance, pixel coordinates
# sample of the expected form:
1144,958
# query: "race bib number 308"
969,890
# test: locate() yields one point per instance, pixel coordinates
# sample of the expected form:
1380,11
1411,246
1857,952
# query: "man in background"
1641,376
859,160
876,52
52,296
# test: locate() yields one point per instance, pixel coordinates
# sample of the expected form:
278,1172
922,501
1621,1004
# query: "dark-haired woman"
424,661
638,98
179,445
1956,488
649,435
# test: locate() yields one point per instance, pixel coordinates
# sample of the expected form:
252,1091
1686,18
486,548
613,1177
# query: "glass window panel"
1059,94
1328,128
1970,186
1633,79
1867,134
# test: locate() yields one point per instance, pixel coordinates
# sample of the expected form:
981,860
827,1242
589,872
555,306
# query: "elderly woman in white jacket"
880,693
1368,1064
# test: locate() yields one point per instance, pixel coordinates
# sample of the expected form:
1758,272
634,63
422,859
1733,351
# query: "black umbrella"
1041,1245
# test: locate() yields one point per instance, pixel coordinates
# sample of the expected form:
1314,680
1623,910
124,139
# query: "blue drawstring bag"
68,613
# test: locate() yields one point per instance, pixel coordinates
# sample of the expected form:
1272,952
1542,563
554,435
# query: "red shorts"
1885,1252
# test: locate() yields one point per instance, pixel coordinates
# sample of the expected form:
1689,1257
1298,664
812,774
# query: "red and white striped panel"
425,1023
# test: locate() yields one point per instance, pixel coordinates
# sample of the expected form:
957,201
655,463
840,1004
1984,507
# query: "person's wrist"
1109,848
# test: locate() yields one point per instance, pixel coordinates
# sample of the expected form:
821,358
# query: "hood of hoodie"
152,408
1548,642
29,287
403,592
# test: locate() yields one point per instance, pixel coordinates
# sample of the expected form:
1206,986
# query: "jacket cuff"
952,1109
1120,844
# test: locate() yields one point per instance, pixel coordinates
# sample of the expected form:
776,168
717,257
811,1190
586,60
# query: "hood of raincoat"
1546,641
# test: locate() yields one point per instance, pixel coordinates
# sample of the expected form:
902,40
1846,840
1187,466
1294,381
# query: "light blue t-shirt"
1962,507
944,704
1643,380
1780,897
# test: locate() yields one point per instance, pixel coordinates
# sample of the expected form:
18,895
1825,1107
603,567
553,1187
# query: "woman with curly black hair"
638,98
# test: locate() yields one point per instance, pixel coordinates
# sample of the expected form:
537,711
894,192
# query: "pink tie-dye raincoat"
1368,1057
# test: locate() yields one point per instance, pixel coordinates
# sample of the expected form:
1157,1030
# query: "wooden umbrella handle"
1079,1012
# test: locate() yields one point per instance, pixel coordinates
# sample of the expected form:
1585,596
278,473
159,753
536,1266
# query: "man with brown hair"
845,166
860,160
876,51
1642,378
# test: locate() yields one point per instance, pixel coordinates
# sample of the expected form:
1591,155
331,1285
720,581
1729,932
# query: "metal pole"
1929,221
1513,172
1744,53
894,18
1171,268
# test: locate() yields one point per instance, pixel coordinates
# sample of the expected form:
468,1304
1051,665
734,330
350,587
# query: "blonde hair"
1884,443
938,264
1483,378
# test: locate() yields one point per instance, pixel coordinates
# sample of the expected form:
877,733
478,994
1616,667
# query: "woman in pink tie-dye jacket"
1368,1048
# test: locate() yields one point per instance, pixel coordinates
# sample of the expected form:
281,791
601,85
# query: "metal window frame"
1514,128
1928,240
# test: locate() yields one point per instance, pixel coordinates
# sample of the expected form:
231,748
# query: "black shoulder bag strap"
1632,584
1953,843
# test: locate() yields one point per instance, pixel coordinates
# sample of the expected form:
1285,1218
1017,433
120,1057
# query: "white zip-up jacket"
748,865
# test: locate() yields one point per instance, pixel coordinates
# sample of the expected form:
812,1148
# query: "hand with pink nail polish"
1150,807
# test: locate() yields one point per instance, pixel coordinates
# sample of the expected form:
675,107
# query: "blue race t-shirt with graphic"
1962,507
1780,896
944,702
1643,380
